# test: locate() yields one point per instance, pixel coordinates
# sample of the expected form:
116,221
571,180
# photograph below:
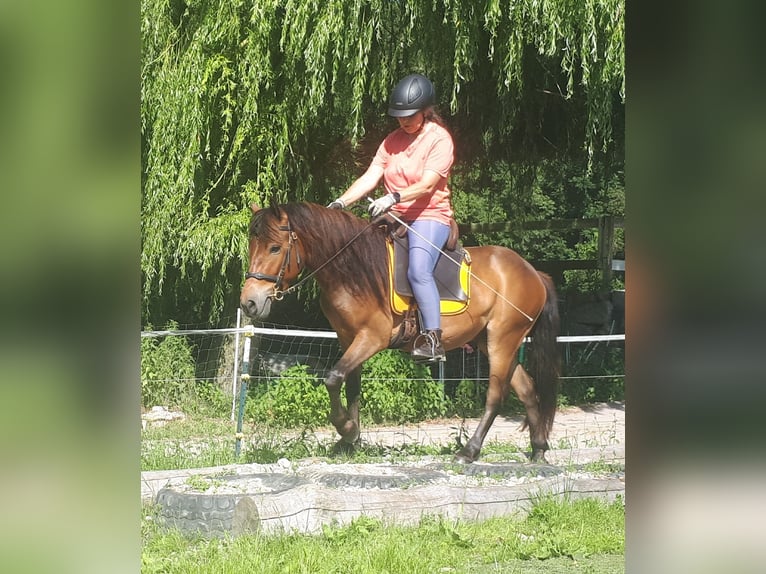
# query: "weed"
199,483
602,467
566,443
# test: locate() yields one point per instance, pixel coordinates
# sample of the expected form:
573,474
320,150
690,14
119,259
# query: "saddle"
452,281
452,275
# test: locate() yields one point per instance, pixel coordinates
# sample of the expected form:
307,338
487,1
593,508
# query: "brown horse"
347,257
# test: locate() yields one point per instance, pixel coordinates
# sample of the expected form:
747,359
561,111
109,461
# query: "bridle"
279,293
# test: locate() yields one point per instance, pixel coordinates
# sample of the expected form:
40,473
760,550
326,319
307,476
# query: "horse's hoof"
349,432
462,458
538,457
343,447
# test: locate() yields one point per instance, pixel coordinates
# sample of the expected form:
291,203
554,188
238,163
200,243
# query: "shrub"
296,398
468,399
594,363
395,389
167,371
210,400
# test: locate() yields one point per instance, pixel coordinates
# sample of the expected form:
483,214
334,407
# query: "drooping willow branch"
238,98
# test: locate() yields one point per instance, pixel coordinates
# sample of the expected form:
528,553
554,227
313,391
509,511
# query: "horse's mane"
360,265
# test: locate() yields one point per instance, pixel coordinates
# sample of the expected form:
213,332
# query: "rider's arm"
426,185
362,186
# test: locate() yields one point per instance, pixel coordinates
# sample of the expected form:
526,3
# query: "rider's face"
412,124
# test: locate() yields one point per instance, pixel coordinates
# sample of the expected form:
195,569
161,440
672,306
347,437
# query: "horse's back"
500,272
501,259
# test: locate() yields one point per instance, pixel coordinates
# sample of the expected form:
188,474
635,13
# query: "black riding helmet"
411,94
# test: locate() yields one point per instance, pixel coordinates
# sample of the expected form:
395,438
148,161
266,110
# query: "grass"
556,536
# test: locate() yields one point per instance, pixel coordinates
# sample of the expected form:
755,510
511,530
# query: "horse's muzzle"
255,307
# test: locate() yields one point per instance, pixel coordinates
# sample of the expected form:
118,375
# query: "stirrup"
423,359
430,351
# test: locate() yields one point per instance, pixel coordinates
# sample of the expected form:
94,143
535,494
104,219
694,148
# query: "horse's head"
274,261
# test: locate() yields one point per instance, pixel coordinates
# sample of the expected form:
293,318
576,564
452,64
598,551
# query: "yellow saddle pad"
401,303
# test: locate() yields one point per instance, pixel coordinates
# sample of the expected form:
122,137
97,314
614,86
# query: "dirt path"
598,427
580,435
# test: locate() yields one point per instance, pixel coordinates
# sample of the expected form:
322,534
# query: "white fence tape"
251,330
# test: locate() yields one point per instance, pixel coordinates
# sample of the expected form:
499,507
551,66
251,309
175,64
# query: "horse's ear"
254,208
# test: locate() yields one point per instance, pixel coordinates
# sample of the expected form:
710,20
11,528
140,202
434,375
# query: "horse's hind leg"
524,387
497,392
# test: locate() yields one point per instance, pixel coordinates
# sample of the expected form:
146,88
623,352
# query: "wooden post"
605,249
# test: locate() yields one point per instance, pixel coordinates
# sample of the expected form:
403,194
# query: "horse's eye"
275,249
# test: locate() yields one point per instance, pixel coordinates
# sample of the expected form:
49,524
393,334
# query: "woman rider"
414,162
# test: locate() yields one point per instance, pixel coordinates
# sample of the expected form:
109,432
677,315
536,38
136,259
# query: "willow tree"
259,100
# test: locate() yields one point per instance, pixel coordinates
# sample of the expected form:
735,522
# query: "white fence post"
236,367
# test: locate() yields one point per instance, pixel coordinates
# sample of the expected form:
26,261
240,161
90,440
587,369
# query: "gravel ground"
580,435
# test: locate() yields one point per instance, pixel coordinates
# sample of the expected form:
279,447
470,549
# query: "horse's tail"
543,357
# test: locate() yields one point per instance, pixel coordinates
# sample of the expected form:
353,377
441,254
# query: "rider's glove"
337,204
382,204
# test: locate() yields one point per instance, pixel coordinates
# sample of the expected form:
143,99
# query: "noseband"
279,293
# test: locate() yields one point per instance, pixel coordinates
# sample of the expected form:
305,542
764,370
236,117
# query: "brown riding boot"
431,349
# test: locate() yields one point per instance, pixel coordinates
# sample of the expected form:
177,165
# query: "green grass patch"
569,536
189,428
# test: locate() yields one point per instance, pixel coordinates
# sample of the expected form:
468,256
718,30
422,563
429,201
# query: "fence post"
441,379
605,249
244,377
236,366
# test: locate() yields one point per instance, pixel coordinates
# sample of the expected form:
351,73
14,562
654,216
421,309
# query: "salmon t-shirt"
404,159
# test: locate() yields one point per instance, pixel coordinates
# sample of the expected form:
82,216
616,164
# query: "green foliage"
170,454
210,400
252,102
167,370
555,529
297,398
395,389
593,362
168,377
468,399
267,444
540,191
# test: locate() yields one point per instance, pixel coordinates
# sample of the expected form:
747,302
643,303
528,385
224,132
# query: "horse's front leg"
353,391
496,394
349,369
347,427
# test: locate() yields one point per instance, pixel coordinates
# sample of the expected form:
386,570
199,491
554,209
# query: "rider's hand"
337,204
381,205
